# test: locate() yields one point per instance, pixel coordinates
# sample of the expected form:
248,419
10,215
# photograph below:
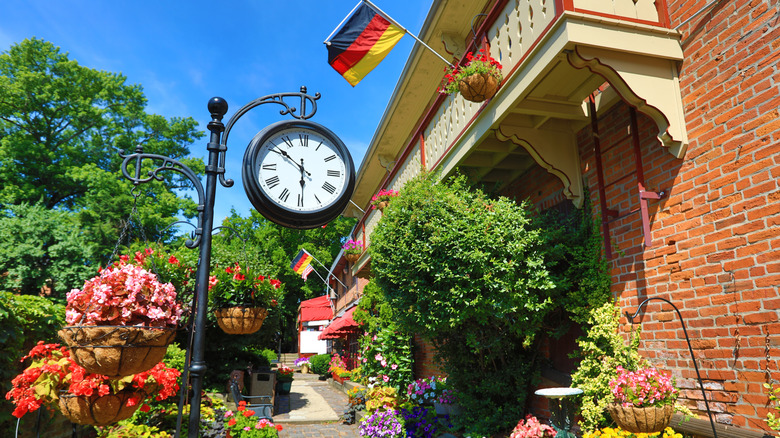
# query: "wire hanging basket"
117,351
240,320
100,410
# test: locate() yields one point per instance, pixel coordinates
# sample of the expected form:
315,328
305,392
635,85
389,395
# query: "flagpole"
390,19
326,268
327,40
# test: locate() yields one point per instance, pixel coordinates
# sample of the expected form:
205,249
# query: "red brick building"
666,114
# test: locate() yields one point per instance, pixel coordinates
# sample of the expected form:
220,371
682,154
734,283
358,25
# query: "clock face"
298,174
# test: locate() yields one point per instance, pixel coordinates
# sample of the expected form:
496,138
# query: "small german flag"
362,43
301,262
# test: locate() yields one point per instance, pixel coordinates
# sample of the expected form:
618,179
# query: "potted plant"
644,400
477,80
244,424
54,379
242,298
352,250
532,428
338,369
284,378
303,363
382,199
121,321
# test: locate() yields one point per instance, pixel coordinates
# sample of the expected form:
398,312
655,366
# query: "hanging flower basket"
117,351
100,410
647,419
478,87
352,258
240,320
477,80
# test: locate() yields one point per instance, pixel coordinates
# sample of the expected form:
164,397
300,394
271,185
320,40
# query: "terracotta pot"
352,258
117,351
98,410
240,320
641,420
478,87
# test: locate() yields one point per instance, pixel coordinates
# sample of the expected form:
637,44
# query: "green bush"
319,364
482,279
24,320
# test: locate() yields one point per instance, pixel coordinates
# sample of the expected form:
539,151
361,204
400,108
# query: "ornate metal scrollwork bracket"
132,165
308,106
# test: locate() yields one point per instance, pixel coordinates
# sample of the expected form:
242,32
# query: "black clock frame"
267,206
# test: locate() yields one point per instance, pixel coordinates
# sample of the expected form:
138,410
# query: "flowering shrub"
532,428
772,420
616,432
285,374
386,424
426,391
644,387
421,422
52,370
123,294
385,354
481,63
352,247
383,196
244,424
301,361
237,286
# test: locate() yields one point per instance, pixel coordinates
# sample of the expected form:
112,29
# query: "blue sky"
184,53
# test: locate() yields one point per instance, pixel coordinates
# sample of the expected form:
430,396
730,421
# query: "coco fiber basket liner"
240,320
648,419
117,351
98,410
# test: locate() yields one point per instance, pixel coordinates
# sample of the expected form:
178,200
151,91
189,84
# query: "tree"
42,250
62,126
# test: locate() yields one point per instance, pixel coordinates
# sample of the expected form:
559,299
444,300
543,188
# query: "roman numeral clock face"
298,174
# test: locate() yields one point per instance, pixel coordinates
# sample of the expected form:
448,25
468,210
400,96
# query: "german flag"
301,262
362,43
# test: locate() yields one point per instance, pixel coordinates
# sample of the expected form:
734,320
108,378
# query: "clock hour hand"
286,155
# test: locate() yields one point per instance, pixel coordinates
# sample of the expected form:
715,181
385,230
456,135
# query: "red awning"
315,309
340,327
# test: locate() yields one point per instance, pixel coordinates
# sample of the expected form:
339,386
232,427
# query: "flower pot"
117,351
478,87
99,410
340,379
382,205
449,409
352,258
240,320
634,419
305,369
283,388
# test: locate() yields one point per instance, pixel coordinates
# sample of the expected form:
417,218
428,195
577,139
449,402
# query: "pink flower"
394,366
386,378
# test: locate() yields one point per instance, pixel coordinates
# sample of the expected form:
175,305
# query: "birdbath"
561,409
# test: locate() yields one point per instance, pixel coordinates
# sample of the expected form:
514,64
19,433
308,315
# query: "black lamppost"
202,235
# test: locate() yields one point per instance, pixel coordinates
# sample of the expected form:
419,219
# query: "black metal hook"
687,339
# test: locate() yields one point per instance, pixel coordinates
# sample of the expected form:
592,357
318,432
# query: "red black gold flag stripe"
362,43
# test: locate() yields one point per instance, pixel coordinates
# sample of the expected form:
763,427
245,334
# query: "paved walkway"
312,410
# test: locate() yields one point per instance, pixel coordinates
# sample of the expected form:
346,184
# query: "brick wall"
716,236
424,361
716,251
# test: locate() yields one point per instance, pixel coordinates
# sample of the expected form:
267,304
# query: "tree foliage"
43,251
62,126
